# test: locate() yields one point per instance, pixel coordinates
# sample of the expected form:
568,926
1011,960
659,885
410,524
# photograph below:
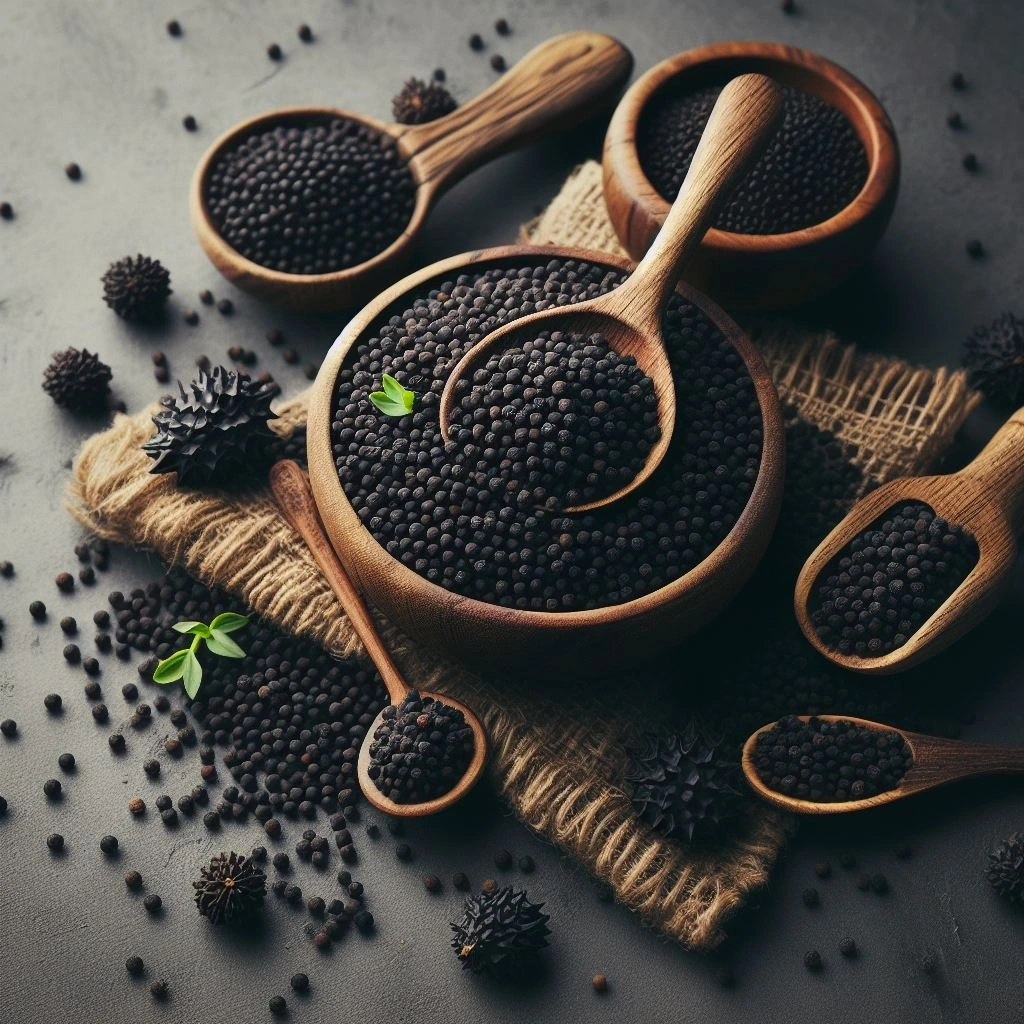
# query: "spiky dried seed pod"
78,380
686,785
499,931
994,355
1006,868
231,886
213,431
136,287
419,102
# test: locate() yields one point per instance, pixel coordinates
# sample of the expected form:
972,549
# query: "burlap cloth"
558,757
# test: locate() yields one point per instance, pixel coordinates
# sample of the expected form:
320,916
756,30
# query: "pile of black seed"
420,750
291,716
830,762
312,199
560,420
890,580
813,167
411,491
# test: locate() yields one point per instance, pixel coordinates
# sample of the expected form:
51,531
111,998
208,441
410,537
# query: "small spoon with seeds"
935,761
629,317
555,86
985,498
291,490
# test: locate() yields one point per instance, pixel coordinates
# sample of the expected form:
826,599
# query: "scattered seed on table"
66,762
460,881
403,851
373,830
879,884
169,817
6,211
191,317
489,887
274,52
364,921
100,713
134,966
9,727
206,297
813,961
133,879
300,983
503,860
970,162
823,869
130,691
431,883
305,33
290,356
498,62
848,948
109,845
174,28
3,806
65,582
189,123
69,625
955,121
73,171
278,1006
55,842
53,789
958,81
810,898
136,806
53,703
476,41
159,989
211,819
162,703
225,307
788,6
863,882
502,27
282,862
37,610
600,983
440,75
91,666
117,743
153,903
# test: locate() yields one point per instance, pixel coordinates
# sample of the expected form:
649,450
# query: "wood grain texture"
937,761
986,498
549,645
758,271
556,85
629,318
290,487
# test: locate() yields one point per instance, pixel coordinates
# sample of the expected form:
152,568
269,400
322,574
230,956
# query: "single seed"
460,881
66,762
278,1006
431,883
37,610
403,851
191,317
848,948
174,28
189,123
134,965
65,582
970,162
9,727
137,806
975,249
274,52
958,81
503,860
53,703
116,742
69,625
6,211
810,898
153,903
300,983
109,845
55,842
206,297
225,307
600,983
498,62
955,121
823,869
476,41
813,961
159,988
489,887
73,171
526,864
305,33
53,789
879,884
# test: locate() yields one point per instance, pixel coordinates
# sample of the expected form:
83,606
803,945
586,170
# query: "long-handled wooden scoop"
741,125
936,761
291,490
986,498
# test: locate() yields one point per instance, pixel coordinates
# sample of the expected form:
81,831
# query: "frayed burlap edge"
558,761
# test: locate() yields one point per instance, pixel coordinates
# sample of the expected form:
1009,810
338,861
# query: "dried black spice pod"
419,102
136,287
685,785
994,356
499,931
230,887
214,431
78,380
1006,868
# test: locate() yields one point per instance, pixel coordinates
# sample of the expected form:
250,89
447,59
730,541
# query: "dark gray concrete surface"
101,83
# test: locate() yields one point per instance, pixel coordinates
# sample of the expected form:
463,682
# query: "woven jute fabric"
559,756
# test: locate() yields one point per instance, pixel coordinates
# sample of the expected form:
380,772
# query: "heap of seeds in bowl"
310,199
456,513
889,580
814,166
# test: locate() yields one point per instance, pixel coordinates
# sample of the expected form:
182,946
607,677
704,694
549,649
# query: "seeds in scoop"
814,166
355,196
420,750
889,581
517,557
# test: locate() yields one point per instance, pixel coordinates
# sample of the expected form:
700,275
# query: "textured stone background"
101,83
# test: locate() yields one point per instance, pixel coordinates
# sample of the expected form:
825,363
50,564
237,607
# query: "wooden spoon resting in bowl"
741,125
936,761
291,490
986,498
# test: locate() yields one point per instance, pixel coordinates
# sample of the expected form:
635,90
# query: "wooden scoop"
741,125
936,762
291,490
986,498
555,86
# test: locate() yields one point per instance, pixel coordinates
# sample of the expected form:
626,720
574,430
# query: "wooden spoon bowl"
559,83
936,761
629,318
757,271
986,498
544,645
290,487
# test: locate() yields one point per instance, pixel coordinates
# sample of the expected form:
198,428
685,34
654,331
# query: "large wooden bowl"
758,271
492,638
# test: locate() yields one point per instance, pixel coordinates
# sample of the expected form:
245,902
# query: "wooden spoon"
986,498
629,318
555,86
291,490
936,762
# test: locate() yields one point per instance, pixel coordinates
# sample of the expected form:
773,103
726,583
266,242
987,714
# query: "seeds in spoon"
312,198
889,580
561,420
830,762
420,750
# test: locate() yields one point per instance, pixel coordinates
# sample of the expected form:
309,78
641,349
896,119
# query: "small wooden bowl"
758,271
554,645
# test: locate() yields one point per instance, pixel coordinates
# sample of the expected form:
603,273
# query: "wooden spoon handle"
1000,469
741,125
556,85
943,760
291,490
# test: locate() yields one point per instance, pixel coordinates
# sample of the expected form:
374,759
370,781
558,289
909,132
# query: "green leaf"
229,622
394,400
171,668
195,628
220,643
193,674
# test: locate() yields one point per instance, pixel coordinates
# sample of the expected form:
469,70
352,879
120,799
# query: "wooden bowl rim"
222,252
873,127
327,488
